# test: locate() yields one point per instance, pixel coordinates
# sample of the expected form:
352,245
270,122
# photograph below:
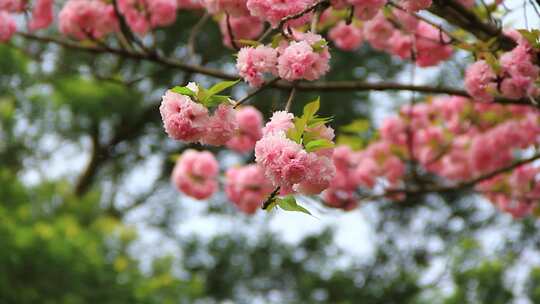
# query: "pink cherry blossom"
253,63
480,81
431,45
284,161
42,15
195,174
346,37
8,27
301,61
367,9
250,123
183,118
87,19
189,4
280,121
13,6
275,10
232,7
378,32
243,27
142,15
247,187
319,175
221,127
415,5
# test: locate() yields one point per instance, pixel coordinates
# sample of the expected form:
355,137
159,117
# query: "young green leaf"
220,87
319,144
295,134
319,46
183,90
311,109
357,126
289,203
276,40
216,100
249,42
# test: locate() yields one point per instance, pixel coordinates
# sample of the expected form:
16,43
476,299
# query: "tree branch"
327,86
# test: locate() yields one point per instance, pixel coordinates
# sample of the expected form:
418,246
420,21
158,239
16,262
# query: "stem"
291,98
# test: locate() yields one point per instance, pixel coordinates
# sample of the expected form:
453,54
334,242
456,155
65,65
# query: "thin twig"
255,92
192,40
290,100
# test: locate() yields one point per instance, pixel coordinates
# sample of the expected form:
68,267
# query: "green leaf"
319,46
492,61
288,203
311,109
357,126
276,40
249,42
183,90
215,100
354,142
319,144
220,87
295,134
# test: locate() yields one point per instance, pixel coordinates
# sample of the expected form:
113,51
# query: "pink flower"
284,161
189,4
250,122
367,9
394,130
87,19
431,45
378,32
7,26
280,121
301,61
13,6
275,10
320,173
247,187
480,81
221,127
366,172
521,72
183,119
415,5
42,15
195,174
142,15
232,7
336,198
401,45
407,21
346,37
253,63
243,27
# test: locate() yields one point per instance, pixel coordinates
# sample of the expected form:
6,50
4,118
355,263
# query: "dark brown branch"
453,188
328,86
457,14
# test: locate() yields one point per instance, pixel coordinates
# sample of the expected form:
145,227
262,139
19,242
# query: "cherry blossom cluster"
514,75
451,138
306,56
290,164
402,35
196,174
186,119
41,15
